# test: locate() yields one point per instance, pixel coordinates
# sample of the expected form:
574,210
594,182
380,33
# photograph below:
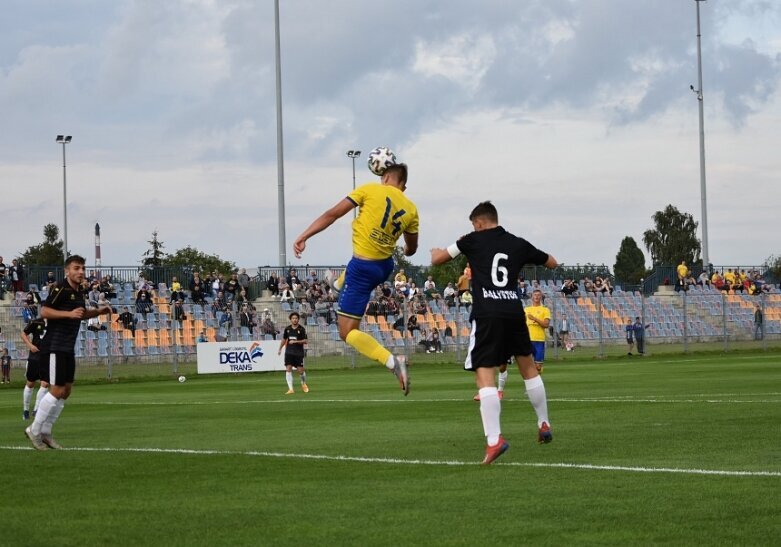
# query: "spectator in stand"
231,287
93,323
207,284
391,307
226,319
176,289
3,278
630,331
414,290
143,303
285,294
398,324
196,280
179,313
400,278
564,330
419,305
759,331
218,282
219,304
292,278
140,281
522,289
299,294
128,320
718,281
323,310
588,286
602,286
639,331
466,300
450,295
683,272
28,312
92,278
103,302
33,296
203,337
703,280
243,279
16,273
5,364
246,319
305,310
462,285
311,279
434,341
106,287
569,288
429,285
267,326
412,325
196,293
94,295
50,278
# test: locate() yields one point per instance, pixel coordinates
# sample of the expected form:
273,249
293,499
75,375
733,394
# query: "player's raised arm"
321,223
551,263
410,243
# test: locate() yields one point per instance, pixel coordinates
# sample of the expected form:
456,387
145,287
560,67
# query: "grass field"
670,449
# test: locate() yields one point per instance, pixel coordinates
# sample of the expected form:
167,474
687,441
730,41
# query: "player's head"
74,268
294,318
536,297
397,175
484,216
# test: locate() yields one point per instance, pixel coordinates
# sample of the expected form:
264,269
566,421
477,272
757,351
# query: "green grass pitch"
673,449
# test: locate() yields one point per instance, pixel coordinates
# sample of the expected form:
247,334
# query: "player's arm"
282,343
27,342
51,313
551,263
106,310
410,243
321,223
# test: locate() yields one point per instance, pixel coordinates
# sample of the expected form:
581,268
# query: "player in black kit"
31,336
63,310
293,341
499,328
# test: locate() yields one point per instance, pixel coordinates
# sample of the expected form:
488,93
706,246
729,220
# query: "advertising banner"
254,356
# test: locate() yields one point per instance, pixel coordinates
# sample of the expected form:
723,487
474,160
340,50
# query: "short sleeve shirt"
292,334
61,334
496,257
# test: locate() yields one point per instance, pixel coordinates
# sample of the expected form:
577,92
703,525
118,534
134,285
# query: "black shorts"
58,368
33,373
294,361
494,340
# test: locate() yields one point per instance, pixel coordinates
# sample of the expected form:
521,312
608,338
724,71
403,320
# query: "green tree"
153,257
773,264
674,238
48,253
192,259
630,262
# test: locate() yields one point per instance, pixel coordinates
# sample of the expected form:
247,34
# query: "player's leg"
27,396
60,372
502,379
535,391
302,377
289,378
42,391
361,279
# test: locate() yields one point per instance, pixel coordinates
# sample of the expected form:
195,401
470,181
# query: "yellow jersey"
682,271
385,214
729,277
536,332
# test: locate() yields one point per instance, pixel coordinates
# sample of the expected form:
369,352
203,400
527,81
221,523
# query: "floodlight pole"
703,193
64,139
352,154
280,151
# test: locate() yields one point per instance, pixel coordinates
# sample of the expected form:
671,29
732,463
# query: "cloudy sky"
574,117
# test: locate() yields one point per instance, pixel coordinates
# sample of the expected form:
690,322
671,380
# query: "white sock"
303,378
390,362
41,392
535,390
289,378
27,397
46,429
490,410
502,380
48,403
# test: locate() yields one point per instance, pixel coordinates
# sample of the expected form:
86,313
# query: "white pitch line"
625,399
400,461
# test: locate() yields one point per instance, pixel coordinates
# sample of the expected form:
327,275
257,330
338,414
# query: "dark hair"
402,171
75,258
292,314
485,210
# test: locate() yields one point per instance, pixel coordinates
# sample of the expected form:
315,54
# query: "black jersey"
35,330
61,334
496,257
292,334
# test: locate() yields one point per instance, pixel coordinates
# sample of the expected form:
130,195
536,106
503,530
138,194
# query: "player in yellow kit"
385,215
537,319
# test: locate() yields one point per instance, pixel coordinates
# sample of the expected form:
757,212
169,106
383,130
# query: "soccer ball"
182,379
380,159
